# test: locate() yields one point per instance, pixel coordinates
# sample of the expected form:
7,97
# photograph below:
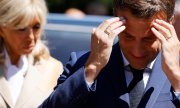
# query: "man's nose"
138,49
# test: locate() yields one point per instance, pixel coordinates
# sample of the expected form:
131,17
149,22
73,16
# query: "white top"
15,75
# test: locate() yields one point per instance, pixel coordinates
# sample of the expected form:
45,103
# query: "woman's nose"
30,34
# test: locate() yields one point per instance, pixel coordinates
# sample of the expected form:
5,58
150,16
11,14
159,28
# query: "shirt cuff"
90,85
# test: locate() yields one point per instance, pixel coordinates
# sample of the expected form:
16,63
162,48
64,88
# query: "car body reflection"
65,34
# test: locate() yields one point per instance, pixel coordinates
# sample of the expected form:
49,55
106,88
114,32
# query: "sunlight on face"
20,41
137,42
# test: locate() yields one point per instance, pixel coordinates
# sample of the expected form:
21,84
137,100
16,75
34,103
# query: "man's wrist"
174,78
91,72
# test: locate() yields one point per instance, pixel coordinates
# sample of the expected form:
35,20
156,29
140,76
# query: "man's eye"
128,37
149,39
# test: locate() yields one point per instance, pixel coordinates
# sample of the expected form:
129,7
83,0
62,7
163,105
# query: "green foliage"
59,6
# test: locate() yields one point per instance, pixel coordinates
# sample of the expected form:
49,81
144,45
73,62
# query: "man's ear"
172,20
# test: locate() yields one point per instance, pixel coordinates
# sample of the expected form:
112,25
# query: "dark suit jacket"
110,88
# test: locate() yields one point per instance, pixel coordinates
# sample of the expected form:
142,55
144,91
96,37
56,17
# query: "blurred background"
90,7
70,23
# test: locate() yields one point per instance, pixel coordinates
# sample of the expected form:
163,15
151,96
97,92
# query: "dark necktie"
136,87
137,76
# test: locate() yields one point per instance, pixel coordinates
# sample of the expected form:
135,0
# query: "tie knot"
137,73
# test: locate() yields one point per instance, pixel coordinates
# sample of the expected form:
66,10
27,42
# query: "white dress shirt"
15,75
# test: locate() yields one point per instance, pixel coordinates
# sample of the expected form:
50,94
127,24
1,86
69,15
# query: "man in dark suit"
140,71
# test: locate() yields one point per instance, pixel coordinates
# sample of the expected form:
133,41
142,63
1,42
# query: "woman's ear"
1,32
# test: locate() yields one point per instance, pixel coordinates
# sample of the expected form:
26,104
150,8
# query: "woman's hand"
101,46
170,45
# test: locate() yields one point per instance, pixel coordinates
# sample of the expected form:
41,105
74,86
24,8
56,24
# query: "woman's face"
21,40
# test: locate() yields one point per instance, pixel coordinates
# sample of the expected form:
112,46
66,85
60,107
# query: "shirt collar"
23,65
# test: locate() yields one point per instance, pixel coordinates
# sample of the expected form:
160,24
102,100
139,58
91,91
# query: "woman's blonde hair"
17,14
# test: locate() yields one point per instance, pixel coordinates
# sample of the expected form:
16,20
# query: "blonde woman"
27,71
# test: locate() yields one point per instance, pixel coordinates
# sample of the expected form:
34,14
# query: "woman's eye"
22,29
37,26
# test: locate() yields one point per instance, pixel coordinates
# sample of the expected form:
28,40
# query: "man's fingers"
117,31
110,21
163,30
158,35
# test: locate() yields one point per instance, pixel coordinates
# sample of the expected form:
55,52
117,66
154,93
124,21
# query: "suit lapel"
116,66
4,90
155,84
32,79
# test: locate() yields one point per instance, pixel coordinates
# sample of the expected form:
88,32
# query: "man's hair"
145,8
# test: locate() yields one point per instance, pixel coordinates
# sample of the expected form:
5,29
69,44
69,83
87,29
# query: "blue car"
65,34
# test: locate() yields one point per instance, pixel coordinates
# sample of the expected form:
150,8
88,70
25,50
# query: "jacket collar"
118,79
4,90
